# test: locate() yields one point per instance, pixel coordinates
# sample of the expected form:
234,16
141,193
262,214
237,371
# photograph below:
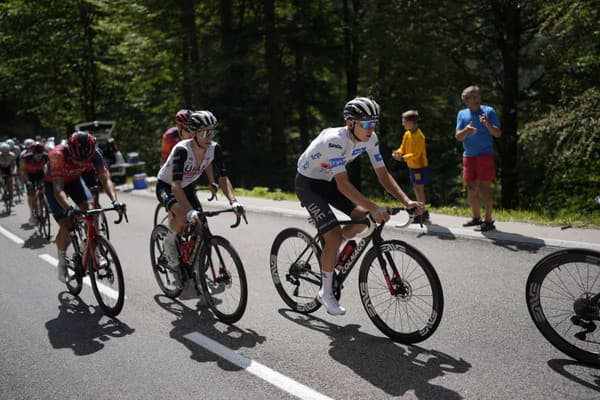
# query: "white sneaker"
331,303
62,271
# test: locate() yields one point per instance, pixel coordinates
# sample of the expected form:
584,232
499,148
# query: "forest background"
277,72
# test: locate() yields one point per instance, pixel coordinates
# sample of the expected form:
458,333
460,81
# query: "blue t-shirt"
481,142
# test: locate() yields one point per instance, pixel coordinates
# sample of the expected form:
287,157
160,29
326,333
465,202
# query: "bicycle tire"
104,268
159,218
42,214
225,289
162,273
74,267
296,279
413,296
560,302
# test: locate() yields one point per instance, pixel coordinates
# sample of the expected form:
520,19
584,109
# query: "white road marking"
273,377
110,292
11,236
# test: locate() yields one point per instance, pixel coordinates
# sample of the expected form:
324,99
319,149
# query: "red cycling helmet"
81,145
182,117
38,148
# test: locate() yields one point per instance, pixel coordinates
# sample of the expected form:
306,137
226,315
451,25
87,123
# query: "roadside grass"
561,218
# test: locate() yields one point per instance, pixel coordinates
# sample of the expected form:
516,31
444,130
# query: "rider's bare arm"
350,191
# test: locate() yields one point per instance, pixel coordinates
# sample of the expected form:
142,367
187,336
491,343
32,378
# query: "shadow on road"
514,241
395,369
82,327
583,374
202,321
35,241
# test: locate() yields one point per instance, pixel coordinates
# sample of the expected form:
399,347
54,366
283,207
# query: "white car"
117,164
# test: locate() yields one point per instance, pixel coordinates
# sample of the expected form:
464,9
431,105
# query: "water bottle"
346,253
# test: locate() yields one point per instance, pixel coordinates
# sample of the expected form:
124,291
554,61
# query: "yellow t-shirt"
413,149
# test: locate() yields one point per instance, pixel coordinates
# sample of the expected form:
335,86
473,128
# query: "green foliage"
560,157
138,62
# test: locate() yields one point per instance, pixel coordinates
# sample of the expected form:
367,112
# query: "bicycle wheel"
42,214
563,299
74,267
224,285
414,310
160,266
106,276
160,214
296,270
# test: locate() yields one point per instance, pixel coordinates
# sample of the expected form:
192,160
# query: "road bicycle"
93,255
41,211
160,212
102,220
399,288
209,261
563,299
8,196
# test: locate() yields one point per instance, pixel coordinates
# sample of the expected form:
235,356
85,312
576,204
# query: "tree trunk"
301,96
351,62
88,75
232,69
190,66
275,96
509,43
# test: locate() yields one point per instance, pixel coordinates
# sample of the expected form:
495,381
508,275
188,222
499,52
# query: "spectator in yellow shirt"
413,152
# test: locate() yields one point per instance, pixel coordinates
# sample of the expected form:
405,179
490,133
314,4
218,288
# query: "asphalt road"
54,345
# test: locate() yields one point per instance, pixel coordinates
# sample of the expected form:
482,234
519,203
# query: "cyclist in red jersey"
67,163
33,162
173,135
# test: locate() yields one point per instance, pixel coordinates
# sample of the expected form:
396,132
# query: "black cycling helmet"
361,108
202,119
81,145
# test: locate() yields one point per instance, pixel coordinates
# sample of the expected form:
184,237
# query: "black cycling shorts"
317,195
165,195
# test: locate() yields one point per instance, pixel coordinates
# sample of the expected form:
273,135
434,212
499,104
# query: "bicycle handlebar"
395,210
122,213
237,217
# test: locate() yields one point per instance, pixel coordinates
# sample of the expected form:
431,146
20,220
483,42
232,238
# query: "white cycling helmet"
4,147
28,143
361,108
201,119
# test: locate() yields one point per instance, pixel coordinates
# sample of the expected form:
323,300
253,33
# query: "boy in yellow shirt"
413,152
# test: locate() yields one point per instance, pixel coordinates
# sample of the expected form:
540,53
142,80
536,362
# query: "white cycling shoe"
331,303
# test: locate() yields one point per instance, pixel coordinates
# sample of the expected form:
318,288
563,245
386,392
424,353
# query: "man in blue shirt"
476,126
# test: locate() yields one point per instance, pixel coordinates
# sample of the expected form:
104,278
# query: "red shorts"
479,168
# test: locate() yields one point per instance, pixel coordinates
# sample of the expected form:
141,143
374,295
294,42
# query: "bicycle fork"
395,284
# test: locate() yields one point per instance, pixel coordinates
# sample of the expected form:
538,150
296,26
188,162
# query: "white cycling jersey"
180,164
7,159
329,153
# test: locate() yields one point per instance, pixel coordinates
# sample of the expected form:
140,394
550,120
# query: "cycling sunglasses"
368,124
209,133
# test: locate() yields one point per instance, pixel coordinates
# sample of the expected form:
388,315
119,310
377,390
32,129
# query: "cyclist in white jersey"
176,186
8,168
322,181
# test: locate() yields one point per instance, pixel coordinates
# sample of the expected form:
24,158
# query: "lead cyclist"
322,181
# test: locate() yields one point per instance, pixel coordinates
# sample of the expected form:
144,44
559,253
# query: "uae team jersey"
329,153
180,164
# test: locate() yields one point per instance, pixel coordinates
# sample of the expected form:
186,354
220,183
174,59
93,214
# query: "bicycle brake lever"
237,222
